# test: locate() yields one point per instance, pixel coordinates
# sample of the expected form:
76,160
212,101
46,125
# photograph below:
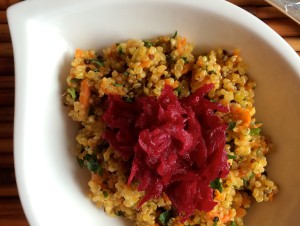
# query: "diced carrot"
96,178
181,44
175,84
85,93
242,172
171,82
236,52
210,215
240,212
239,113
78,53
187,68
246,200
225,219
145,64
218,196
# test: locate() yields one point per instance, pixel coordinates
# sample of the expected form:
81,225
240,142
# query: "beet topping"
175,146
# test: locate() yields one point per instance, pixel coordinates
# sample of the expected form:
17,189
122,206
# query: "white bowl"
45,34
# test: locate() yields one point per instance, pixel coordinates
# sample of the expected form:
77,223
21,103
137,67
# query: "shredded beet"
176,146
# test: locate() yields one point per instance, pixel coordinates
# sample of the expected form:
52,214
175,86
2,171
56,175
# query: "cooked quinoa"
136,68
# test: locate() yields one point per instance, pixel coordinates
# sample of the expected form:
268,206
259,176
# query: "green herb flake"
98,62
216,184
100,170
118,85
231,156
175,35
255,131
120,50
126,73
129,100
179,90
91,162
184,59
251,176
105,194
75,80
213,101
147,44
231,125
211,72
164,217
245,182
232,223
80,162
120,213
72,92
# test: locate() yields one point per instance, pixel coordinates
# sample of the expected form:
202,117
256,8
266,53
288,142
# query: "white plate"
45,34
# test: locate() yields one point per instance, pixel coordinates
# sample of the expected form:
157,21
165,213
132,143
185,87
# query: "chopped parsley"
184,59
72,92
120,50
174,35
120,213
164,217
80,162
105,194
255,131
246,180
179,90
126,73
211,72
92,164
147,44
216,184
118,85
128,99
98,62
231,125
75,80
232,223
251,176
231,156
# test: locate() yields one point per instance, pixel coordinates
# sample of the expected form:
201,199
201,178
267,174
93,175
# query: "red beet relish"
175,146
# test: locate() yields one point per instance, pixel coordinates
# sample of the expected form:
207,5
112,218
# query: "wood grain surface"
11,212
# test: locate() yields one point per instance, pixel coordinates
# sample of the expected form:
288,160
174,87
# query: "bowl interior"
45,35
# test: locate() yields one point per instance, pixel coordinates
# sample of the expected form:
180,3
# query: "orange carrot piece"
246,200
85,93
225,219
96,178
78,53
187,68
240,212
239,113
145,64
168,81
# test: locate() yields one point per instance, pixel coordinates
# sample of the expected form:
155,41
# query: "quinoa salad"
170,137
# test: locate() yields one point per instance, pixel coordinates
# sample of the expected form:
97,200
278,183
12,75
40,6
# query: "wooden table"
11,213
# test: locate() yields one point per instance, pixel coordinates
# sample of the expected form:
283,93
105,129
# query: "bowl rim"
19,12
